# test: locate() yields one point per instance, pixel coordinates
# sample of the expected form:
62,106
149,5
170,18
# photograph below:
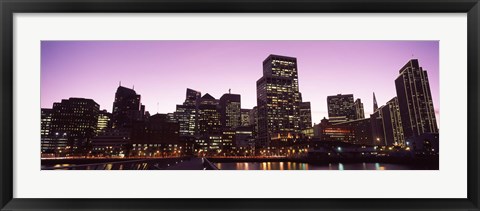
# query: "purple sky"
162,70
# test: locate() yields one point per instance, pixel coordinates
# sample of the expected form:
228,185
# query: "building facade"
75,119
341,108
127,108
392,123
305,116
187,114
359,111
245,116
415,100
230,110
278,101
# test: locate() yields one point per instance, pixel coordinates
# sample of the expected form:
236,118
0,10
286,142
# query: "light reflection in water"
306,166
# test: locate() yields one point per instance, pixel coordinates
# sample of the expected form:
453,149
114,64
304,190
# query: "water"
306,166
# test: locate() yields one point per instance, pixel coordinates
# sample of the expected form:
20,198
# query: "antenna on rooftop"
120,83
158,104
229,91
133,87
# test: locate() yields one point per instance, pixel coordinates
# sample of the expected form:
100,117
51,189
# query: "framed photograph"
263,105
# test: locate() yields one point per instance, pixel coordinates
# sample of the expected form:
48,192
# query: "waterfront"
307,166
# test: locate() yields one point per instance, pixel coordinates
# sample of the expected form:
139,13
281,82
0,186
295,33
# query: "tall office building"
341,108
187,114
209,116
126,108
278,101
415,100
230,110
392,123
359,112
74,119
210,137
77,117
305,115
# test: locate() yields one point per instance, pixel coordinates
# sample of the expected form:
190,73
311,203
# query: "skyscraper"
126,108
209,115
75,119
210,136
305,115
341,108
187,114
230,107
415,100
359,112
278,100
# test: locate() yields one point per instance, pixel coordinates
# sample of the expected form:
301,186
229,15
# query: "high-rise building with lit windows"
46,121
78,117
75,119
341,108
103,121
392,123
305,116
278,101
230,110
187,114
415,100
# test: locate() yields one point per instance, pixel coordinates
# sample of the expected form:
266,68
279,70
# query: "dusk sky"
161,71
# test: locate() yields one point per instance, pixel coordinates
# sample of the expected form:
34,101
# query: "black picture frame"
9,7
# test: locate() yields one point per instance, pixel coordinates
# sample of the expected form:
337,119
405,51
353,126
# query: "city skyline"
148,67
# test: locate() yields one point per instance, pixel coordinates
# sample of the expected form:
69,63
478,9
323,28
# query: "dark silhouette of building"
415,100
341,108
75,119
278,101
253,114
359,112
375,105
126,108
231,116
378,135
187,114
160,137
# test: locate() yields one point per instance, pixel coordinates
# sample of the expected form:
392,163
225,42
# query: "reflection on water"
306,166
102,166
